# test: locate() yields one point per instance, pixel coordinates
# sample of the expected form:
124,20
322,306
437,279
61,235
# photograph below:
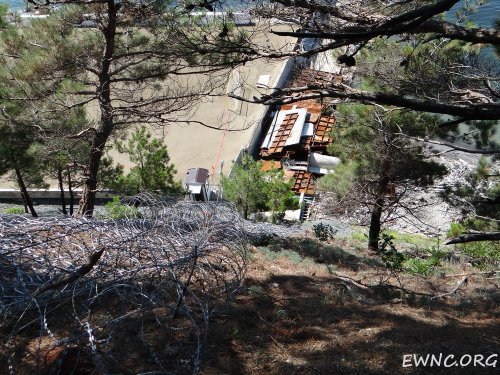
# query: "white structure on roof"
197,184
308,130
322,164
295,134
263,81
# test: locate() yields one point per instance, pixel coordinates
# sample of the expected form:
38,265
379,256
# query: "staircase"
308,203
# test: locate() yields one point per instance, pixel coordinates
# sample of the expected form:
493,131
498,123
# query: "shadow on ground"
325,253
292,324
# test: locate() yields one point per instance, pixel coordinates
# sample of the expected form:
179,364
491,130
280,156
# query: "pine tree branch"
475,237
479,111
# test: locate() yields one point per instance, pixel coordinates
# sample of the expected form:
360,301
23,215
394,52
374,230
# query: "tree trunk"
71,194
87,200
106,126
24,193
375,225
61,188
378,207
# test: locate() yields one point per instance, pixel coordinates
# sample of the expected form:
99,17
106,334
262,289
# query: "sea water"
484,17
15,4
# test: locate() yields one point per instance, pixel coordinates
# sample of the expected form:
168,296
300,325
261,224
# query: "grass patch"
357,235
360,234
116,210
290,255
17,210
418,240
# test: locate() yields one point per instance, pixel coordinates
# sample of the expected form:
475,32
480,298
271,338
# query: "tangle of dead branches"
131,295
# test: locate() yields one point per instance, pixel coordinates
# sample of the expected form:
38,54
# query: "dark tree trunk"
378,207
61,189
375,226
106,126
71,194
24,193
87,200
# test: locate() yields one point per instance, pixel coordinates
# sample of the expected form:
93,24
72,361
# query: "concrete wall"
50,195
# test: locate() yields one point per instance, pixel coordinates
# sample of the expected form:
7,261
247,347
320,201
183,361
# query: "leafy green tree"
109,173
152,170
64,155
340,182
253,190
279,195
245,186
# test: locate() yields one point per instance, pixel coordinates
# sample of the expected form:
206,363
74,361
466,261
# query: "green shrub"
117,210
425,266
484,254
14,210
390,256
323,232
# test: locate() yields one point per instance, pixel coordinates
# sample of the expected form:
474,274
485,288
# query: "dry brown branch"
455,289
82,271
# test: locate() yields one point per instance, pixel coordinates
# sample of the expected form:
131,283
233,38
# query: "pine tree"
379,164
253,190
152,170
137,66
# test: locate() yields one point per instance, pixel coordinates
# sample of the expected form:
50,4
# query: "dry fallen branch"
82,271
455,289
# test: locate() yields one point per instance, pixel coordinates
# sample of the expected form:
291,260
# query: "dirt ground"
306,307
303,315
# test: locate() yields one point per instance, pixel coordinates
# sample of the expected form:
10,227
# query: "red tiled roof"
304,183
323,129
283,133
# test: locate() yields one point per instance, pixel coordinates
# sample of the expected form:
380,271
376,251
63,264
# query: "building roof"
323,129
306,77
297,129
196,176
304,183
268,165
299,135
